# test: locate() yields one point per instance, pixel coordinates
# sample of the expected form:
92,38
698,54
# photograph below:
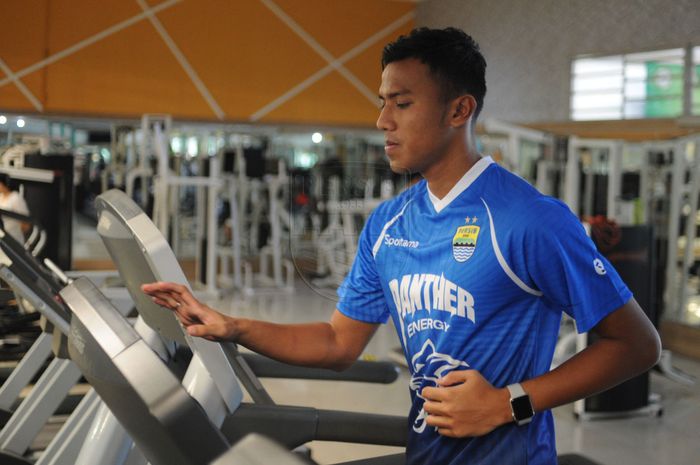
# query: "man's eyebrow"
395,94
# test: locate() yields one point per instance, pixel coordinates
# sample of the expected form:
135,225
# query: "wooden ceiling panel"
22,32
244,55
11,99
367,66
129,73
74,60
340,25
75,20
332,100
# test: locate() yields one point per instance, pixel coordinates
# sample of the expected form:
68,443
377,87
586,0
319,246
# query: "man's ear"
463,108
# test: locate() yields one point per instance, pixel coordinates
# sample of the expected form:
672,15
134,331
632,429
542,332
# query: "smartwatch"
520,405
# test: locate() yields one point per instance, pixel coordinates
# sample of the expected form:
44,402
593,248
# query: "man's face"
413,117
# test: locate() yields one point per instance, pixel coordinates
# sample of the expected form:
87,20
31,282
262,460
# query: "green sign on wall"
664,90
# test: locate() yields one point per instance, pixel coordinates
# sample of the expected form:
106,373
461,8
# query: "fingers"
178,292
162,287
443,424
199,320
174,295
163,302
455,377
438,421
452,378
434,408
165,299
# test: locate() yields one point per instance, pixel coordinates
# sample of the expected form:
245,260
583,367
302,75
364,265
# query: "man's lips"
390,145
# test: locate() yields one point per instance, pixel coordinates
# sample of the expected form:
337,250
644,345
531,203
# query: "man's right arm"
335,344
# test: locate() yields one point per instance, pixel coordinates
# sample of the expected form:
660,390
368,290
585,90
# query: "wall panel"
529,45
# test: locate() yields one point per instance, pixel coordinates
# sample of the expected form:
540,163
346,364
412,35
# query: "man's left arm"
466,404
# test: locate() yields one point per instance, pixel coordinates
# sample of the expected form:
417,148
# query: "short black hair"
5,179
451,54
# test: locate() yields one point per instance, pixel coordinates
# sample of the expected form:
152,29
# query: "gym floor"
670,439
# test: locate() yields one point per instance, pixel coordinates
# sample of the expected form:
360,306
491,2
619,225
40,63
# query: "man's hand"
465,404
199,319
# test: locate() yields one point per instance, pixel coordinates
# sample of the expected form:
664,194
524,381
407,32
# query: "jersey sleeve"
361,295
566,267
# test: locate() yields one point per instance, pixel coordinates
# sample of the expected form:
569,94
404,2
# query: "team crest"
464,242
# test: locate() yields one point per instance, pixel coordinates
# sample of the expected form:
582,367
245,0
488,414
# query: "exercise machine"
142,256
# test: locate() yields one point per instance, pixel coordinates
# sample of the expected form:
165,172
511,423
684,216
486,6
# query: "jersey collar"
469,177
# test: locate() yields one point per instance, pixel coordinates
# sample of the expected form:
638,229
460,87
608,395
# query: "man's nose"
384,121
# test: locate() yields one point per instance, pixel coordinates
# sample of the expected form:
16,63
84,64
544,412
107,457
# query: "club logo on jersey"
464,242
427,367
599,267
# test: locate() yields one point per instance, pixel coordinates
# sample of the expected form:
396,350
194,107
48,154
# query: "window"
637,85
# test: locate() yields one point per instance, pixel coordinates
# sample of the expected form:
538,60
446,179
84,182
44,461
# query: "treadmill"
165,422
142,255
32,282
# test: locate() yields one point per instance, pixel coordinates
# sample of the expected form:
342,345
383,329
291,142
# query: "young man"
474,266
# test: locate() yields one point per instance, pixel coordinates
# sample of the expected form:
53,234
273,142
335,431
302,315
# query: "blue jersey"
478,279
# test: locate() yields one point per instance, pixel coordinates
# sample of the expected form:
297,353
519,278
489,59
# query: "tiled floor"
671,439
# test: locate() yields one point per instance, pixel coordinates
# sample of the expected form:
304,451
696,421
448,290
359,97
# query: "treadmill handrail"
361,371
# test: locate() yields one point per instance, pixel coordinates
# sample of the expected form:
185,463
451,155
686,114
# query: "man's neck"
441,178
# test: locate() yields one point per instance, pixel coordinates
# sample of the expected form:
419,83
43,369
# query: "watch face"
522,409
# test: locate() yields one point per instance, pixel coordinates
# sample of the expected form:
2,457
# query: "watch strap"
521,407
516,390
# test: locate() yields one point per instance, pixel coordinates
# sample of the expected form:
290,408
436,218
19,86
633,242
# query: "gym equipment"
280,276
29,281
166,193
685,190
37,236
143,170
336,244
32,282
630,249
663,178
122,149
167,425
255,189
51,204
602,157
526,152
256,449
143,256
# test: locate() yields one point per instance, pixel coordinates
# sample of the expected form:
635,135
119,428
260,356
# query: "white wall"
529,44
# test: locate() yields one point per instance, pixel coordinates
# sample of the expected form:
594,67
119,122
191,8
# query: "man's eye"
403,105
